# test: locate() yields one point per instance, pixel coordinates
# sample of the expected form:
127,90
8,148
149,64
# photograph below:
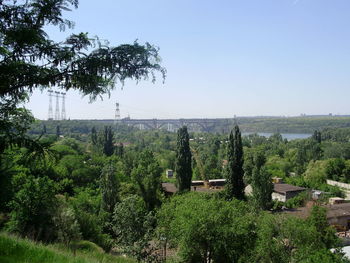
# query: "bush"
86,205
33,208
277,205
298,201
89,246
66,224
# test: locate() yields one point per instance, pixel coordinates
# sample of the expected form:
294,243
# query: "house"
283,192
217,183
169,173
336,200
338,215
197,183
169,189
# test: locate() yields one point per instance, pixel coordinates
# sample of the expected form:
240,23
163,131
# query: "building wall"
340,221
278,197
341,185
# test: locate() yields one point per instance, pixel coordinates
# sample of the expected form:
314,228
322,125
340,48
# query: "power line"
50,116
57,111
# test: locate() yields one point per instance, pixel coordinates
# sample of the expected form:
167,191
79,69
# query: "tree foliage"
290,239
147,176
109,188
29,59
66,224
107,141
234,170
206,229
32,209
183,167
261,183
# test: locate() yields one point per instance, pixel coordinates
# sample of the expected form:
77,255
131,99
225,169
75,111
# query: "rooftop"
284,188
169,187
338,210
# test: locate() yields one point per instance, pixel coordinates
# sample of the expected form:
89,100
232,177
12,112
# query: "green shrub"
277,205
298,201
33,208
89,246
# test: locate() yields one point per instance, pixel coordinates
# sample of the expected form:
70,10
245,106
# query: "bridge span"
197,124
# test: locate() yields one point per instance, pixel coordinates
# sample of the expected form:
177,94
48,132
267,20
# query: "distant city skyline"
244,58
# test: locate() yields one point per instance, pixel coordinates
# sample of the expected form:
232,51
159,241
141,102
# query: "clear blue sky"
224,58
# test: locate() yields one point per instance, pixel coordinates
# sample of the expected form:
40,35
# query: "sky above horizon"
223,58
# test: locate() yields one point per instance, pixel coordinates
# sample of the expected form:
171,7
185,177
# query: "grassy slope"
15,250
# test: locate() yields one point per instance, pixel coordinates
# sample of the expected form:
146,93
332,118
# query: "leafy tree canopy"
29,59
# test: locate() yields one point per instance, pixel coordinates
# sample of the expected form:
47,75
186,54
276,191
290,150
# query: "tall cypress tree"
234,170
108,147
183,167
58,131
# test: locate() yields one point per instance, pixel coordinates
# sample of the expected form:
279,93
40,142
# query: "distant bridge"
206,125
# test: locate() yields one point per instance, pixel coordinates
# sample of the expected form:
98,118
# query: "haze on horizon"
244,58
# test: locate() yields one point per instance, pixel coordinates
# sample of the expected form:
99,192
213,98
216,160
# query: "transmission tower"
50,117
63,113
57,111
117,113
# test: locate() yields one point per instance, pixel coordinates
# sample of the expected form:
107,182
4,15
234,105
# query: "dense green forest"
304,124
104,186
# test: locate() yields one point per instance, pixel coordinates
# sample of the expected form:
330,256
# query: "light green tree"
205,229
147,176
261,183
66,224
109,188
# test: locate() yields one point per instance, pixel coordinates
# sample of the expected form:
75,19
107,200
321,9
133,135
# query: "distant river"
288,136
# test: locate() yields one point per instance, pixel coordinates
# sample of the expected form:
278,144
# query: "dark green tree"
30,60
93,136
33,208
108,146
119,150
14,124
234,170
317,136
183,167
261,183
58,131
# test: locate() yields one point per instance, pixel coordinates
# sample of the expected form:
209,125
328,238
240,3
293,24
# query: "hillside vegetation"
16,250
